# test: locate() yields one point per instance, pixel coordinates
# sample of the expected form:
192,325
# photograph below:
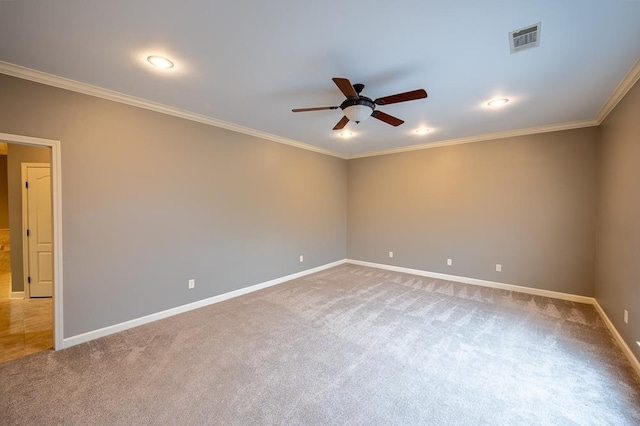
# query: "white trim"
475,281
64,83
529,290
625,85
25,225
482,138
623,345
105,331
25,241
111,95
56,206
88,89
16,295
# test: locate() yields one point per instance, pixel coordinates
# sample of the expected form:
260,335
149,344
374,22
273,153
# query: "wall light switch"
390,254
301,258
449,262
498,267
192,283
626,316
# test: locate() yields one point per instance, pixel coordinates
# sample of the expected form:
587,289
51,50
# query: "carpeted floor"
349,345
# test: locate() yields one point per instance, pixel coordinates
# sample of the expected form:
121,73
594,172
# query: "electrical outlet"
192,283
498,267
390,254
301,258
449,262
626,316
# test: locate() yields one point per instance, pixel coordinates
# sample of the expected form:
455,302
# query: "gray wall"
527,203
18,154
4,200
150,201
618,237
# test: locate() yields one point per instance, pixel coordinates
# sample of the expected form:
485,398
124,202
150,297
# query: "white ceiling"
250,62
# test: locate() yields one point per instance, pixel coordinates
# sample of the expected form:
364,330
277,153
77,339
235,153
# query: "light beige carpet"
350,345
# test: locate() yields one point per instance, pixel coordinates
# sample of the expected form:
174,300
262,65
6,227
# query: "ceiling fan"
357,108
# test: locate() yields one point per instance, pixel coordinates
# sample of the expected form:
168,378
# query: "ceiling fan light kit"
358,108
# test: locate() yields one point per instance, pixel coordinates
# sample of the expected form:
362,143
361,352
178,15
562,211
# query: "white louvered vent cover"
525,38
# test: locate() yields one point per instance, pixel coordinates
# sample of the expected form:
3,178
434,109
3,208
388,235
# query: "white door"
39,231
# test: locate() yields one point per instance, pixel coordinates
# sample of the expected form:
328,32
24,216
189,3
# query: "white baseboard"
95,334
475,281
538,292
623,345
17,295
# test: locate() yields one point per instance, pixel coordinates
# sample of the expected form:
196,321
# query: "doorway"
30,316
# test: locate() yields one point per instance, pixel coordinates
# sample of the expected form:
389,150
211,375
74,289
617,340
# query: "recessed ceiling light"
422,131
160,62
497,102
346,134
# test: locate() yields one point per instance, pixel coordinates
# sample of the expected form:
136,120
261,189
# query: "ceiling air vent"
525,38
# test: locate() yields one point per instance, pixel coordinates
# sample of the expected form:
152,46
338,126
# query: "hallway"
26,325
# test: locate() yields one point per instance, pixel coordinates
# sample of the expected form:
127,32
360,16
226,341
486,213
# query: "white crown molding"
64,83
625,85
111,95
482,138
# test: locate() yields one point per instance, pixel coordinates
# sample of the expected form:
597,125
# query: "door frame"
25,222
56,210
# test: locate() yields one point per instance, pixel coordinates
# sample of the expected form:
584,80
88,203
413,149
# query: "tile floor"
26,325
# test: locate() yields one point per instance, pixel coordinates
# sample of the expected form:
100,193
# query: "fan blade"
402,97
346,87
313,109
389,119
343,122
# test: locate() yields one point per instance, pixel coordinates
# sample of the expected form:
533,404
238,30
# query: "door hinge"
26,185
27,232
28,280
